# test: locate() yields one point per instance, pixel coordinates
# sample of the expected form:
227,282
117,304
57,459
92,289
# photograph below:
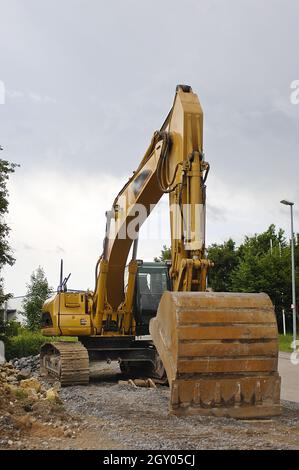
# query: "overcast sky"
87,83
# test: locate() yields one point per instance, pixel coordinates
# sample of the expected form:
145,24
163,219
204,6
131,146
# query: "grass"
20,393
285,342
28,343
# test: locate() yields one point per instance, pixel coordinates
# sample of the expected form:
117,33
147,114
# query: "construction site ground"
107,414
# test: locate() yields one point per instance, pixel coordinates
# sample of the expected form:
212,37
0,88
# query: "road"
289,377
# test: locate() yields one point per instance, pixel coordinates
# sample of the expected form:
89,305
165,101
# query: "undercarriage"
69,361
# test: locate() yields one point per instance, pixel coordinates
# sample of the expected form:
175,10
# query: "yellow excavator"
218,350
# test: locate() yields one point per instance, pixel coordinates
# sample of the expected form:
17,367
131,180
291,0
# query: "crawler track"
67,361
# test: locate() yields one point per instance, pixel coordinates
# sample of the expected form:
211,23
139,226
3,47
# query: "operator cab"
151,281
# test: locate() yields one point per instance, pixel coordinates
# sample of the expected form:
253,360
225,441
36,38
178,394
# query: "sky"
85,83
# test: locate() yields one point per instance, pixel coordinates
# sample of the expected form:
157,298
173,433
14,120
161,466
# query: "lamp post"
288,203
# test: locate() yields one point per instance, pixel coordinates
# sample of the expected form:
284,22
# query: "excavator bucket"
220,353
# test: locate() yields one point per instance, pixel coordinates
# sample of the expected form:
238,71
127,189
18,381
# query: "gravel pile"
29,363
31,412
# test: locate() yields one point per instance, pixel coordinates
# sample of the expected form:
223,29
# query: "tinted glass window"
152,284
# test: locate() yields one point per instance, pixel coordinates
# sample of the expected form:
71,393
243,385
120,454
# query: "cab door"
151,281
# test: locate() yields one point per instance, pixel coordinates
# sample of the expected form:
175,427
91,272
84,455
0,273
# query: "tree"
164,256
225,258
38,291
265,267
6,258
262,263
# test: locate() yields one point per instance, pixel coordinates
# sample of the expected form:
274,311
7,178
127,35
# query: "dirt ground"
109,415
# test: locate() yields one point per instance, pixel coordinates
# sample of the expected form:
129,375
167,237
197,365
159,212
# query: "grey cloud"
112,79
89,82
217,213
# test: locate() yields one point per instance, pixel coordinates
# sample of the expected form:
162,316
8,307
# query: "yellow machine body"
219,350
68,314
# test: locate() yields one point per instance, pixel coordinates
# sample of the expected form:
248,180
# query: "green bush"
285,342
28,343
8,328
25,344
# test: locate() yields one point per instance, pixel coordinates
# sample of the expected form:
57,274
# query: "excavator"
219,351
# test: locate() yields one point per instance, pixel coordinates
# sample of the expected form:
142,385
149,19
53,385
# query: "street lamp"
288,203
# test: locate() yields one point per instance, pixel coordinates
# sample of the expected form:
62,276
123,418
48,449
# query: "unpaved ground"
137,418
107,415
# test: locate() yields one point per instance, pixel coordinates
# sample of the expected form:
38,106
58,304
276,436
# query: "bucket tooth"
196,394
220,353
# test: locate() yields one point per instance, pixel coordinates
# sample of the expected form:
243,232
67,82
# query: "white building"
13,309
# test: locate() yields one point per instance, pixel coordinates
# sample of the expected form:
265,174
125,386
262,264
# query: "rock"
30,362
68,433
32,394
25,422
57,385
11,378
52,395
24,374
28,407
10,443
9,388
31,384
